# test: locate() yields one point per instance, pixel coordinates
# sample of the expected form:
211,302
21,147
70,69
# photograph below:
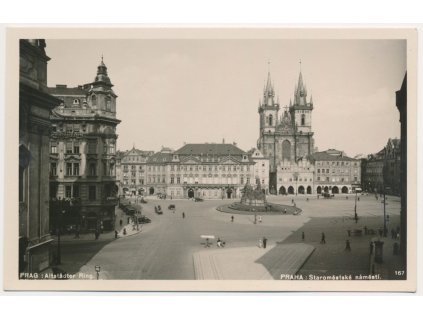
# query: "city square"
166,247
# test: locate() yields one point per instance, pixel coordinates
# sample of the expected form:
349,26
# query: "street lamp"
355,207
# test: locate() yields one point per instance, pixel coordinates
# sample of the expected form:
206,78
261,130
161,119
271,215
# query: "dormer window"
76,101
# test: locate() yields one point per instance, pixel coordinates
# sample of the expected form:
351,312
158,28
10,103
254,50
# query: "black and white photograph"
211,159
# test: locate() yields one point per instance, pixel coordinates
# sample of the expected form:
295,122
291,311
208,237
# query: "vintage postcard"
210,159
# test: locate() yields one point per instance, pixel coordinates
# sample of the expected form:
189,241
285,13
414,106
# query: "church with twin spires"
287,140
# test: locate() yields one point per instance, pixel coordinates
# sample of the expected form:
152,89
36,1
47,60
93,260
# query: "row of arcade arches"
301,190
291,190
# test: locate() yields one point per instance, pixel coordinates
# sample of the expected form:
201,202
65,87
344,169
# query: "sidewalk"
251,263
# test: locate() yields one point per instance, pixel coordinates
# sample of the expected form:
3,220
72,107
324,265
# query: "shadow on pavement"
76,254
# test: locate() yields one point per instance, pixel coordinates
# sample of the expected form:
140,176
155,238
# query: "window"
302,120
68,191
242,180
111,148
172,180
108,103
53,147
178,180
318,170
94,100
112,169
69,128
133,174
53,169
92,195
92,146
76,191
318,178
93,169
327,178
76,148
69,147
355,178
68,169
76,169
270,121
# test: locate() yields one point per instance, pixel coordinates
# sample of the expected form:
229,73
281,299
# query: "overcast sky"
194,91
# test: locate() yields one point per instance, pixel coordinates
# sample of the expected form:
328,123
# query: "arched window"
286,150
94,100
270,120
302,120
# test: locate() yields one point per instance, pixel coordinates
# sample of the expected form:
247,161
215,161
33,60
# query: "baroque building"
131,171
212,171
35,106
83,154
287,141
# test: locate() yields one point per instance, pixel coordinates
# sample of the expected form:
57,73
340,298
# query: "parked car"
143,219
171,207
130,210
198,200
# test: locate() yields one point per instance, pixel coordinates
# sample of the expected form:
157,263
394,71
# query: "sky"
176,91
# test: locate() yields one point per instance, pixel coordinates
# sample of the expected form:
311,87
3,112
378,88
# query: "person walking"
116,234
120,222
183,215
302,236
232,218
347,246
323,240
264,242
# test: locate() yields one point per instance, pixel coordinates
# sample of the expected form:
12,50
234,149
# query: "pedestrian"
292,201
264,242
323,240
307,199
349,232
120,222
302,236
183,215
346,197
365,230
284,211
116,234
232,218
347,246
259,219
371,247
124,231
96,234
77,232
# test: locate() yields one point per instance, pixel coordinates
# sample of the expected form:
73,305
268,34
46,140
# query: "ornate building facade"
131,171
261,169
287,140
35,106
212,171
83,154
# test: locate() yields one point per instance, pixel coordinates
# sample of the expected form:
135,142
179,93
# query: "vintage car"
143,219
158,209
172,207
198,200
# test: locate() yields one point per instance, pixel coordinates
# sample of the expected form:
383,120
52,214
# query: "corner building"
83,154
35,106
287,141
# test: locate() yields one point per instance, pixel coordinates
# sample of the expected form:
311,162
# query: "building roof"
210,149
64,90
159,157
330,155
